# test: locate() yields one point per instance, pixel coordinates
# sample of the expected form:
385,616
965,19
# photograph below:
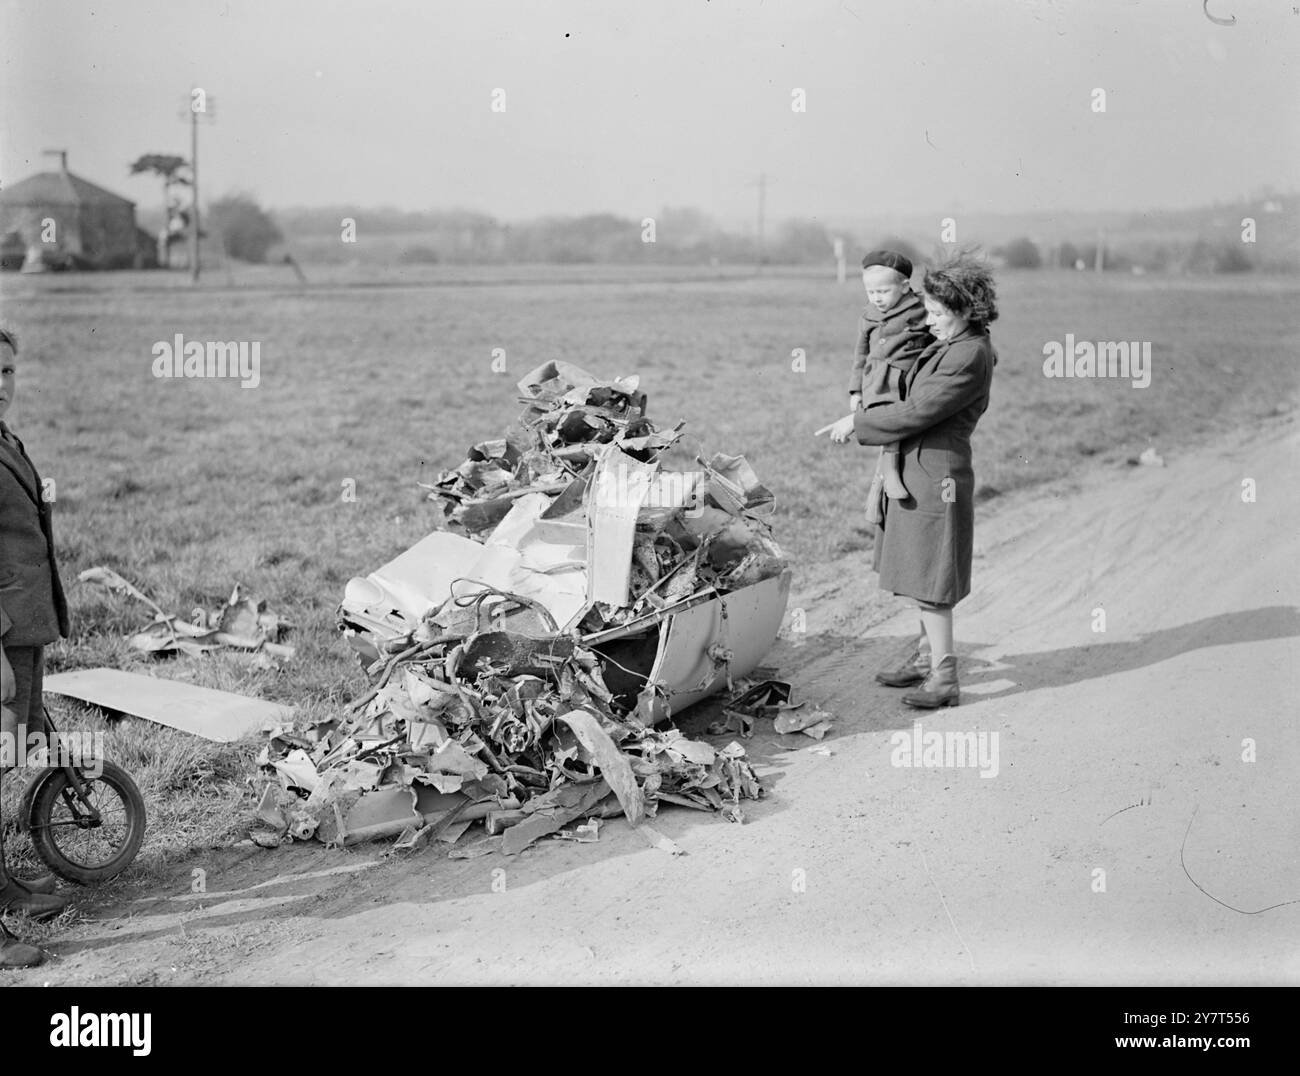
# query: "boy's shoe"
16,954
895,489
940,687
14,898
44,884
914,670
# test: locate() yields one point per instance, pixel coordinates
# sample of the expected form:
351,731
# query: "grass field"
187,486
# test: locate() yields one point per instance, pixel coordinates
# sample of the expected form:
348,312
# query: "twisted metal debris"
593,578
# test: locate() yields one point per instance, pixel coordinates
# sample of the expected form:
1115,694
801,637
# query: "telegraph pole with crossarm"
199,104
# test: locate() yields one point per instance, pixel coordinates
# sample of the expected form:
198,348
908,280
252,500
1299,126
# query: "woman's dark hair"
965,286
7,337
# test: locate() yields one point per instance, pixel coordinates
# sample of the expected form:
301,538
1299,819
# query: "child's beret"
890,260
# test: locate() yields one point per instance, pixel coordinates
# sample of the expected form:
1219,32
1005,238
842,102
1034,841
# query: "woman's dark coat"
924,548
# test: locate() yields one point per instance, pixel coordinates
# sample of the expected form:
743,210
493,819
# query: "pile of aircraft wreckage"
596,577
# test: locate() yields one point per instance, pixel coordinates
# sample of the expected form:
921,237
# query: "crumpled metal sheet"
613,764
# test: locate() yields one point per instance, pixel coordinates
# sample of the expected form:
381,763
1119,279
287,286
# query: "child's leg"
874,515
888,467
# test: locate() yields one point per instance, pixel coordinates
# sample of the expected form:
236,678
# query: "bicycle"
86,826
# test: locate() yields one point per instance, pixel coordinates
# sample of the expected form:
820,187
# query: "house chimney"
62,154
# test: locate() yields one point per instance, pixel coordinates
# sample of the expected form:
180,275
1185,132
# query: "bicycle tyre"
44,832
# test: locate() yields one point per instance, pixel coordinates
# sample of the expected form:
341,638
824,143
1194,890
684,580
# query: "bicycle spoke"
97,842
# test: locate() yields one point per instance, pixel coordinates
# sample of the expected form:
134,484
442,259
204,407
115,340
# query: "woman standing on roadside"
923,550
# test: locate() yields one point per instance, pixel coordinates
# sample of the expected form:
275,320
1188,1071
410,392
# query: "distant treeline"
1260,234
672,236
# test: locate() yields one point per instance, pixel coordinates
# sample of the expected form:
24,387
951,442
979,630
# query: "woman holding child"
923,548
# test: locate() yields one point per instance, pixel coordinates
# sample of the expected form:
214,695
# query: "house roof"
59,188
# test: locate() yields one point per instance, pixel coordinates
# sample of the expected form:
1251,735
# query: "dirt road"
1066,857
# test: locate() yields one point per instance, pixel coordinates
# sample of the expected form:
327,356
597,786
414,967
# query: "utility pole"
198,104
762,211
194,208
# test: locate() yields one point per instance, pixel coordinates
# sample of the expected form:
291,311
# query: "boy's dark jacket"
894,343
33,609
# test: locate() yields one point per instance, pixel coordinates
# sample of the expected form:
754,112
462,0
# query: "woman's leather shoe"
940,687
914,670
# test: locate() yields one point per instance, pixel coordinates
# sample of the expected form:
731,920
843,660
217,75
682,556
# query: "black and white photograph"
711,493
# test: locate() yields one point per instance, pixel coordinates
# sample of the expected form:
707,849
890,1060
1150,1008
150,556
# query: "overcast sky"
630,105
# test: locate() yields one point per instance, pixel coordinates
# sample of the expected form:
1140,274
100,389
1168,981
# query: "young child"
887,349
33,614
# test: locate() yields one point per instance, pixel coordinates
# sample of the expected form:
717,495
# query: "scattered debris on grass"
1149,458
243,625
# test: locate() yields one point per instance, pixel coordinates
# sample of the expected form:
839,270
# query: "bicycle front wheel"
92,837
